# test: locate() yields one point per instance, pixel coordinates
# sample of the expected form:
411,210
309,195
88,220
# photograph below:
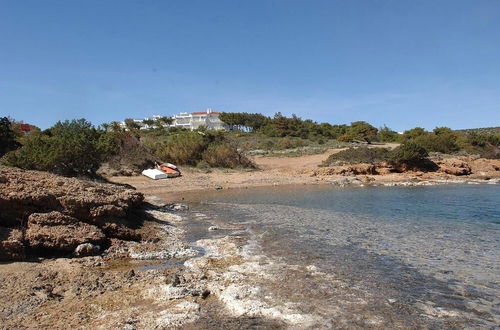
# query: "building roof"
25,127
205,113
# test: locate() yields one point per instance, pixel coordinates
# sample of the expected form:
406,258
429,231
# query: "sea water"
391,256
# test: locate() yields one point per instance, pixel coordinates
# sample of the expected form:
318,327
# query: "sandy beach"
279,171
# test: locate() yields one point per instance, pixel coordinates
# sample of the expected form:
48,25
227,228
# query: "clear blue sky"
403,63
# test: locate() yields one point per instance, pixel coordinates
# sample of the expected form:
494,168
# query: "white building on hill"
209,119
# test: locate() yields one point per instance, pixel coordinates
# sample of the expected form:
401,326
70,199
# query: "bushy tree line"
445,140
70,148
441,139
294,126
244,121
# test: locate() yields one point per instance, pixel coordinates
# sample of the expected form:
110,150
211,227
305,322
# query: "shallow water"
391,257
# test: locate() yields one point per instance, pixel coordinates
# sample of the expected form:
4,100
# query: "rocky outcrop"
11,244
56,233
454,167
48,214
482,165
358,169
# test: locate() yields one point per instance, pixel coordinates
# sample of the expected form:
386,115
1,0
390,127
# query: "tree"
414,133
115,127
385,134
7,137
409,153
132,125
166,120
363,131
161,122
148,122
244,121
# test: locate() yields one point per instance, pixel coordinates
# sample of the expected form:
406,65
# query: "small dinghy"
154,174
170,170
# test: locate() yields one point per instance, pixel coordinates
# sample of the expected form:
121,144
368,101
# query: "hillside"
483,130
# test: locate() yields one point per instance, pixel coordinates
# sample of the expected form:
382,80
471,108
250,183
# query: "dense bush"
345,138
385,134
7,137
183,147
409,153
225,155
69,148
484,145
358,155
361,130
289,143
122,151
441,139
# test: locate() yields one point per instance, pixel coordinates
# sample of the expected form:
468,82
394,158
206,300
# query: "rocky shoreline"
84,254
46,215
148,278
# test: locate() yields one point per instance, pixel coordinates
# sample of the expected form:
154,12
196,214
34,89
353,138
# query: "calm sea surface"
424,257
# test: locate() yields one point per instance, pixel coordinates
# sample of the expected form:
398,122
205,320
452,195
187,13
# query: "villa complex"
209,119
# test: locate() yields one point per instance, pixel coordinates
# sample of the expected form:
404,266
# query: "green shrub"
289,143
361,130
69,148
358,155
225,155
7,137
446,144
385,134
413,133
484,145
185,148
345,138
124,150
409,153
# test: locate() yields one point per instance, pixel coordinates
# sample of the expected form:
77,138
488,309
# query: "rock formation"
46,214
